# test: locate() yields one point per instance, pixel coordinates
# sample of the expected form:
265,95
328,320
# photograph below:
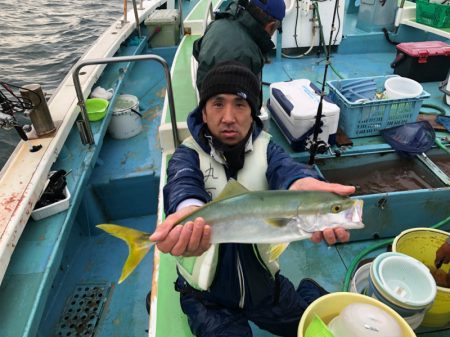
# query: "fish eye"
336,208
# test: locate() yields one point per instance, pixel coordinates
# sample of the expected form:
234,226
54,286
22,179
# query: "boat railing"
84,126
135,9
209,16
136,17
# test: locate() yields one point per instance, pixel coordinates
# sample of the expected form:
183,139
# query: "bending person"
243,34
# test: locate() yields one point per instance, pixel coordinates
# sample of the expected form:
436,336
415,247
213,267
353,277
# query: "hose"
312,39
305,53
435,107
315,15
441,146
375,246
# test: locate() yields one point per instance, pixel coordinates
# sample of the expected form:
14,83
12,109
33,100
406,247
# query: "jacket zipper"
241,282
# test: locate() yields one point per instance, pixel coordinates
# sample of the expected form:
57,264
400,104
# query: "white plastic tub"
59,206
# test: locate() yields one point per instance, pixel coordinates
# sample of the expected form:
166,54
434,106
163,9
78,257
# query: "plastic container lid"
424,48
364,320
162,16
300,99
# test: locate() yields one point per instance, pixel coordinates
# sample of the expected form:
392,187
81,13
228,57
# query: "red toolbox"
427,61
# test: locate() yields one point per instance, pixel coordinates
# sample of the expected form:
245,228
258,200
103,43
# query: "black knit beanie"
232,77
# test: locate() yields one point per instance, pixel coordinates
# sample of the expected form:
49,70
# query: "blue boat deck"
118,182
110,182
87,263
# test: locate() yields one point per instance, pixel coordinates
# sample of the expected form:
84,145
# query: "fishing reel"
10,104
319,146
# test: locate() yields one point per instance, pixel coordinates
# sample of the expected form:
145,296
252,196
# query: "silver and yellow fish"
242,216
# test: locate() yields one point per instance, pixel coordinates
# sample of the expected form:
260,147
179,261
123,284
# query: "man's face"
228,118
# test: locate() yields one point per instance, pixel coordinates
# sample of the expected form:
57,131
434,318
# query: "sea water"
42,40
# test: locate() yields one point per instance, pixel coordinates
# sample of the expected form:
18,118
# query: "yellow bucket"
421,244
329,306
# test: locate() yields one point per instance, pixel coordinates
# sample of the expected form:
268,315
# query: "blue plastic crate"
363,119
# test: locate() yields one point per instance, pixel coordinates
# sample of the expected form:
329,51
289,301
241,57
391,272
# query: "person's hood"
256,31
196,125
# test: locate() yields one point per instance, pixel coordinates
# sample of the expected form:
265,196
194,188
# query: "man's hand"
442,254
189,239
330,235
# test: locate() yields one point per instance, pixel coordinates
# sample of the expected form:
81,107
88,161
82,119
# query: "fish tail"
138,245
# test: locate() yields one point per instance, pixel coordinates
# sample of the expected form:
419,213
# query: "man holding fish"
227,250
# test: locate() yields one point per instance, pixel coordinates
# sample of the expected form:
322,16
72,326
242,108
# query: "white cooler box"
293,106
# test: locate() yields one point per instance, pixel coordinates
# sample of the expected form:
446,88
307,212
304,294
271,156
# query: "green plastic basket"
433,14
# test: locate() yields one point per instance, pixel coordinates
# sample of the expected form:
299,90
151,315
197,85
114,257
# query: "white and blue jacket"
237,275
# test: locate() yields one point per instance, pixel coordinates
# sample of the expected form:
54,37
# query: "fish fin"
276,250
231,189
278,222
138,243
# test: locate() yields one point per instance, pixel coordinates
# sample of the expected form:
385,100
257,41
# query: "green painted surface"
171,319
168,299
199,11
183,90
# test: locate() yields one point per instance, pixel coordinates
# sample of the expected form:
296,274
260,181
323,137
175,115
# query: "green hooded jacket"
240,38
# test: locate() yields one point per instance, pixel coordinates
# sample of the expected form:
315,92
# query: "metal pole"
125,10
136,17
317,123
180,10
84,125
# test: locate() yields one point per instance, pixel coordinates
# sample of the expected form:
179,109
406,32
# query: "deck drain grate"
83,310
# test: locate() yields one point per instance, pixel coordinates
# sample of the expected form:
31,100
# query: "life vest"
199,271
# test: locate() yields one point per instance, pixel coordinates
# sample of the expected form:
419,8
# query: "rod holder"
39,113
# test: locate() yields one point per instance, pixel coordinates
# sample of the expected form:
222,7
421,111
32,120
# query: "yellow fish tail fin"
138,245
276,250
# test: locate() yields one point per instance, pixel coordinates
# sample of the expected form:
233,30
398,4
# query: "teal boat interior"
62,278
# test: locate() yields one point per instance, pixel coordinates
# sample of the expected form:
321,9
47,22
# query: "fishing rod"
318,122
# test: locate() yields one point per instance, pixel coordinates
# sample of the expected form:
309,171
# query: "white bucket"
125,121
360,281
398,87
